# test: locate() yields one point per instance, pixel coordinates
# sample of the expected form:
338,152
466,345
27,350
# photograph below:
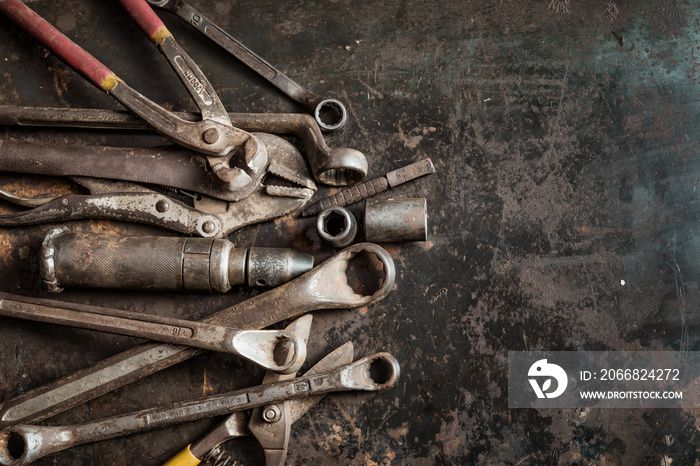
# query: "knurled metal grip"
140,262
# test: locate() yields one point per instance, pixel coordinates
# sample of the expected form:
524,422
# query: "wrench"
257,346
323,287
330,114
337,166
39,441
269,425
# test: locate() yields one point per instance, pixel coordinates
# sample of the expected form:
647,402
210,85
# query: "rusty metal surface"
565,138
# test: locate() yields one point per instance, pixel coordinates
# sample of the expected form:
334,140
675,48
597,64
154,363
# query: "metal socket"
337,225
396,220
274,266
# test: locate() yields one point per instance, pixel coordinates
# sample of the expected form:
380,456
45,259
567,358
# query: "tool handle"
183,458
147,20
71,53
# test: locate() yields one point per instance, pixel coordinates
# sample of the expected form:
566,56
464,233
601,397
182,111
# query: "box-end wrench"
257,346
377,372
323,287
330,114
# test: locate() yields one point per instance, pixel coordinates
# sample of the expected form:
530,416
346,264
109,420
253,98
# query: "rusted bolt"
271,413
211,135
162,205
208,227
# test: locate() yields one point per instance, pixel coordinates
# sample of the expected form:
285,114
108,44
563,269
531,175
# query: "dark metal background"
564,216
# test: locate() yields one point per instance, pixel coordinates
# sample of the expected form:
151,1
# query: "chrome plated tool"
324,287
257,346
330,114
377,372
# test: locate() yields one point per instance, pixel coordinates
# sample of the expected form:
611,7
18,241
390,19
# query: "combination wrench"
377,372
257,346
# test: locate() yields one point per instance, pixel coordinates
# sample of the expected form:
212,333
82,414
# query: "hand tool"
377,372
330,114
324,287
173,166
337,225
213,135
257,346
208,218
269,426
162,263
369,188
339,166
396,220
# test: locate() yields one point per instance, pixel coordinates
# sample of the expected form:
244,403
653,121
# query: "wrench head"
261,206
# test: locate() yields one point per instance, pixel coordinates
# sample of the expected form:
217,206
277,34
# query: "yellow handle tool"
184,458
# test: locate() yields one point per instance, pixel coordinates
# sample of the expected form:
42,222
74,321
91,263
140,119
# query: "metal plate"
562,216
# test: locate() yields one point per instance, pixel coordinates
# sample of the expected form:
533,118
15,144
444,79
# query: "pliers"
213,136
207,217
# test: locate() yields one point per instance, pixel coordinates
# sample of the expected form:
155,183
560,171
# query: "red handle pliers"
214,135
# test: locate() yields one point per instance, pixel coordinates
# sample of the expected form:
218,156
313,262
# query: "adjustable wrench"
323,287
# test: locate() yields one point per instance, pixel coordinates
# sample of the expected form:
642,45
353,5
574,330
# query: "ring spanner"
43,440
330,114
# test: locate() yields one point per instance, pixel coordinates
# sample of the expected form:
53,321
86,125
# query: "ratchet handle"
71,53
147,20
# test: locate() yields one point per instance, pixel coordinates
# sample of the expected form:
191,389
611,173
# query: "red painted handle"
146,18
67,50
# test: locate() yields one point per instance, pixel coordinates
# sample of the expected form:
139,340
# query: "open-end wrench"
377,372
257,346
323,287
330,114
